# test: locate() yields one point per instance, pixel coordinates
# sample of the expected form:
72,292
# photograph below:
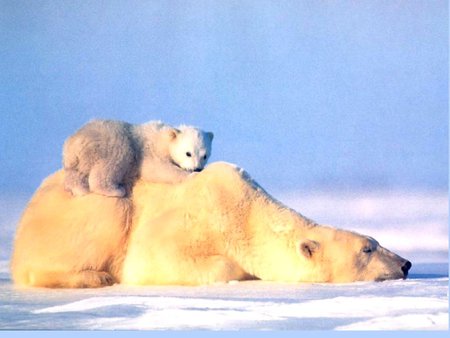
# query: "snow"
409,305
413,224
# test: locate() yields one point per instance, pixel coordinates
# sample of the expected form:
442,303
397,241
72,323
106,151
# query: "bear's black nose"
406,267
197,170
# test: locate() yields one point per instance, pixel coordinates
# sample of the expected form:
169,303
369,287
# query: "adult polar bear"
216,226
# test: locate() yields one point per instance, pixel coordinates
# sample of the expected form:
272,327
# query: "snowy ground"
413,224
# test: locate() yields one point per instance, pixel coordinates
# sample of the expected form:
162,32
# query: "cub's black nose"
197,170
406,267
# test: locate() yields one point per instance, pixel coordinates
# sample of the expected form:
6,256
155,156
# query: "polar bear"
106,156
216,226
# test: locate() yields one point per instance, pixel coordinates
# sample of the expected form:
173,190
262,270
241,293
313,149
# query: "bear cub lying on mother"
215,226
106,156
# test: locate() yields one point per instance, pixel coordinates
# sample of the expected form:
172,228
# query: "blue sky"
303,94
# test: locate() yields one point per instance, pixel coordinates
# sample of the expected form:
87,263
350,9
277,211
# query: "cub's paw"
78,190
112,192
193,173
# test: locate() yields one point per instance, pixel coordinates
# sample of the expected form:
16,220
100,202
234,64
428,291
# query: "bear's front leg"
218,269
76,182
186,271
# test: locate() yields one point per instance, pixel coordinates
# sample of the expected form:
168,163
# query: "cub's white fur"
106,156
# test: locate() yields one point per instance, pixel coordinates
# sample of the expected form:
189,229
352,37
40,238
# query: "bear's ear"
308,248
210,135
171,133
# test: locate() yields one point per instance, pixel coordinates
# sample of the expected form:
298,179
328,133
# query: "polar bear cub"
106,156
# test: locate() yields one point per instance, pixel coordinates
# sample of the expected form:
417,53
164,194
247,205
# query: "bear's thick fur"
106,156
216,226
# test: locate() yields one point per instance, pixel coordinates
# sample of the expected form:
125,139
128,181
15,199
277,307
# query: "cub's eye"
367,249
204,157
188,154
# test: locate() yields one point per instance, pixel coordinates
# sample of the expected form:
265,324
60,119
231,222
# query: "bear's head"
341,256
190,147
273,242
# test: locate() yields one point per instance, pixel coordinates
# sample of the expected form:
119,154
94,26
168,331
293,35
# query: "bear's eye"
204,157
367,249
188,154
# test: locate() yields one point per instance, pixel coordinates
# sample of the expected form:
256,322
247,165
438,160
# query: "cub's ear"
171,133
309,247
210,135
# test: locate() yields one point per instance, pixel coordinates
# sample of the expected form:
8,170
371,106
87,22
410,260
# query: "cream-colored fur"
216,226
65,241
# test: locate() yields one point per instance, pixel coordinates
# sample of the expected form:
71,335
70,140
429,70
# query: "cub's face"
190,148
343,256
